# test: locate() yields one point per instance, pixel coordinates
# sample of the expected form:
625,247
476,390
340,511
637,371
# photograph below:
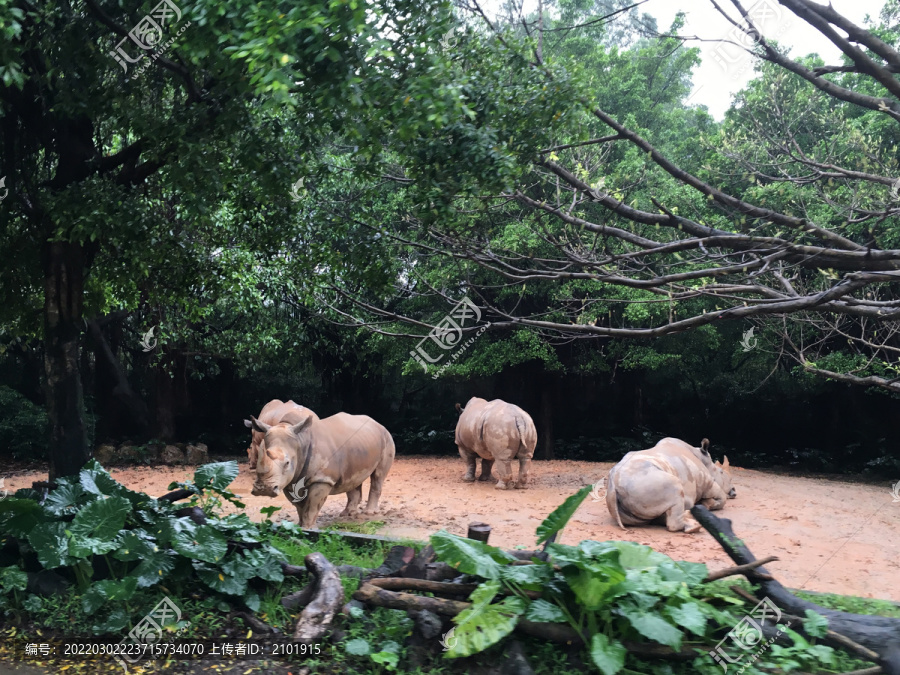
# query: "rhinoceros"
315,458
496,431
272,413
666,481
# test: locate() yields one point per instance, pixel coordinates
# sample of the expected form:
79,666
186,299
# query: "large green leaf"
608,655
484,624
135,545
12,579
19,517
469,556
205,543
64,500
51,543
545,612
108,590
560,516
97,526
264,564
652,626
154,567
530,577
218,475
688,615
218,580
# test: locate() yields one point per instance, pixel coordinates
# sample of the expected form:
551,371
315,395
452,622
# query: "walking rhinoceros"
315,458
496,431
272,413
666,481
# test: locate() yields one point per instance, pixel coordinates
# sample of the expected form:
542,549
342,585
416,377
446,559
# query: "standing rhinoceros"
495,431
315,458
666,481
274,412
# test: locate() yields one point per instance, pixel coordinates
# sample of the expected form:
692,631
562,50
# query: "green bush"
23,425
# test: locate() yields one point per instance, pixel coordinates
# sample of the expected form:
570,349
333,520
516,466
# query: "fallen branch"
328,597
257,624
556,632
438,587
175,495
880,634
744,569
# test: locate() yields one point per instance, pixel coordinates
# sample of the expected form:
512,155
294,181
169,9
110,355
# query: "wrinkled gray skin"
496,431
273,412
344,450
665,482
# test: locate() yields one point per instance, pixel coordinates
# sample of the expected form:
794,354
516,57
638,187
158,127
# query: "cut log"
395,562
479,532
426,586
881,634
328,597
379,597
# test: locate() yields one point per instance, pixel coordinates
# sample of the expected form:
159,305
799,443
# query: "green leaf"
218,475
153,568
100,521
115,622
688,615
529,577
19,517
545,612
251,599
484,624
357,647
205,543
608,655
220,581
64,499
108,590
557,520
814,624
12,579
50,542
469,556
652,626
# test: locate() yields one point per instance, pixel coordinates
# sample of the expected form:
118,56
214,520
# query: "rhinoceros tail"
527,436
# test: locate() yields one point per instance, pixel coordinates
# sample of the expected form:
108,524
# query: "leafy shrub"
113,542
23,425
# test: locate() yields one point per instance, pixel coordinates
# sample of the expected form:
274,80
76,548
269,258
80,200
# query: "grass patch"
367,527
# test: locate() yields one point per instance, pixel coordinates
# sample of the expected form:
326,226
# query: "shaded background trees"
548,166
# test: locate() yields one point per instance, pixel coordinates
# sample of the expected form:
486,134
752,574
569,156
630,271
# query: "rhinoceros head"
284,448
722,476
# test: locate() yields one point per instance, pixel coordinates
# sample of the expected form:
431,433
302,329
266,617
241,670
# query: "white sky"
723,71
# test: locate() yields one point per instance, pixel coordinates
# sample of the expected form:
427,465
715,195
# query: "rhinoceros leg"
486,465
504,468
524,464
469,459
308,509
354,497
676,520
376,483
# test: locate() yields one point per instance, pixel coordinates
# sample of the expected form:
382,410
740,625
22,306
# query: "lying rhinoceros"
315,458
495,431
666,481
274,412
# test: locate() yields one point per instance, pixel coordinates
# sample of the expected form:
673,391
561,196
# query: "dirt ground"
830,536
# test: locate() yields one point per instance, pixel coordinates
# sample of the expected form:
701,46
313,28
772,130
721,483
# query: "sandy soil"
830,536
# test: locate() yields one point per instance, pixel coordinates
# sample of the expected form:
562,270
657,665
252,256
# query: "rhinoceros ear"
297,428
459,408
704,446
256,425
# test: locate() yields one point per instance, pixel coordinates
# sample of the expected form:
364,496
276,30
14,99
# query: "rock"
516,662
127,454
194,454
428,624
171,454
105,453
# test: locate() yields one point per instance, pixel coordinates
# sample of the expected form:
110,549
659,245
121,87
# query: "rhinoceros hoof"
690,529
484,478
501,485
521,486
468,479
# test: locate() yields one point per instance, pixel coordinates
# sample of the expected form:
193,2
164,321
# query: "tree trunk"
164,403
545,422
63,297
